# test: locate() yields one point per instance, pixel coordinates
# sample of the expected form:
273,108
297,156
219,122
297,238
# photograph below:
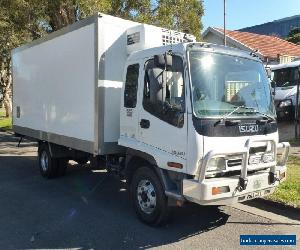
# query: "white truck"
179,120
285,80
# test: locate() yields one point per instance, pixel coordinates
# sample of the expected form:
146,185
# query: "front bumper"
258,184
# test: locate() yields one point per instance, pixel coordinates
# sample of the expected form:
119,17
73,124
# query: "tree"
294,36
16,27
182,15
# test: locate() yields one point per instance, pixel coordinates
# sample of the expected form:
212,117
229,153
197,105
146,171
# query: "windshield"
286,77
220,83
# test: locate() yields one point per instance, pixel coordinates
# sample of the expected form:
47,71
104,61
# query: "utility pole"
224,22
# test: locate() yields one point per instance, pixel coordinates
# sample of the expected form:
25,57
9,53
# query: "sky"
245,13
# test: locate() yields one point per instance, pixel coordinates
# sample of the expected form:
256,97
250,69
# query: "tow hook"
273,178
242,184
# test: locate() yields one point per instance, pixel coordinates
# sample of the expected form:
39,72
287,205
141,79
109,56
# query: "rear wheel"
50,167
47,164
149,200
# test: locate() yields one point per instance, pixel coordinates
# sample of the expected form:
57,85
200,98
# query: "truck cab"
202,117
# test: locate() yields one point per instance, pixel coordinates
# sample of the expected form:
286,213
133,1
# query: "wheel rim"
146,196
44,161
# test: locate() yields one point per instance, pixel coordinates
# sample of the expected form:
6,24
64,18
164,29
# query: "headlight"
216,164
268,158
257,159
285,103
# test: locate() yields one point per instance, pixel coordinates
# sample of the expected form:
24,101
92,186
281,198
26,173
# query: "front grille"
254,150
234,163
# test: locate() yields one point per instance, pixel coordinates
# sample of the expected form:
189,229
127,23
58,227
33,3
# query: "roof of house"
268,46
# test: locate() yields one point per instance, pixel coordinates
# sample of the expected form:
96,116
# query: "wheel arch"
136,159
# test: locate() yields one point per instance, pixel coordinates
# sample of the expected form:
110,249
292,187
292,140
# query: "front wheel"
148,196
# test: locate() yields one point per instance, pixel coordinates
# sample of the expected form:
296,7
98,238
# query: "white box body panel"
53,88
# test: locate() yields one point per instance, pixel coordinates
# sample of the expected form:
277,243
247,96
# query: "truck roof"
201,46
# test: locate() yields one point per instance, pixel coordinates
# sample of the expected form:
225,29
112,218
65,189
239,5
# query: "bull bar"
199,189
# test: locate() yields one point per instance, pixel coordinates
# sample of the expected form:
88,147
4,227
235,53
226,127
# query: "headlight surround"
216,165
285,103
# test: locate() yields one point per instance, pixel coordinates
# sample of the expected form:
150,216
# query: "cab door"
162,119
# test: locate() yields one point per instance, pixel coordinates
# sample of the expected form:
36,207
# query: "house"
270,49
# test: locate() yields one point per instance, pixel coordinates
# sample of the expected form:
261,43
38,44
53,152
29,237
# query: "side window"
164,94
131,86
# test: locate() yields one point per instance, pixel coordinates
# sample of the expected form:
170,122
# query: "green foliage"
289,191
182,15
294,36
5,123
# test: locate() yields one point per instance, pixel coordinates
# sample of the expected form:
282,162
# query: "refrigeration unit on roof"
147,36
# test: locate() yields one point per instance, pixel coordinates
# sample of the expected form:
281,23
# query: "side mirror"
163,61
269,72
273,85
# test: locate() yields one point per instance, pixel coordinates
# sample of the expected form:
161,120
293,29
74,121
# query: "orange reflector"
175,165
220,190
215,190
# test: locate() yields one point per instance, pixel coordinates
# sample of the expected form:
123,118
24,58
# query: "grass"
295,142
288,192
5,123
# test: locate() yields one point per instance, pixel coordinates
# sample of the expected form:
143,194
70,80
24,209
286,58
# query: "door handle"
145,123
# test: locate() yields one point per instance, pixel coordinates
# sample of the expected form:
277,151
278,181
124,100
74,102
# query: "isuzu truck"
179,120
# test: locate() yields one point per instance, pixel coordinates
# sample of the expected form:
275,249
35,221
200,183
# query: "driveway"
90,209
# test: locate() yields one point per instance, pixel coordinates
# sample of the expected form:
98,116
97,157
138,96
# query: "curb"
9,131
270,205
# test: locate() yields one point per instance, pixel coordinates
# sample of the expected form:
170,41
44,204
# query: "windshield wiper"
268,117
229,114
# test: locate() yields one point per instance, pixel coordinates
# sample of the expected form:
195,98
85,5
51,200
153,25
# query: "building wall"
212,38
280,27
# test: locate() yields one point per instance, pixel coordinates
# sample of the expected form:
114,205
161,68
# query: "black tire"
151,215
47,164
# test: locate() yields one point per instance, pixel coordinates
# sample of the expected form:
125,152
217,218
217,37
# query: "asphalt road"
89,209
